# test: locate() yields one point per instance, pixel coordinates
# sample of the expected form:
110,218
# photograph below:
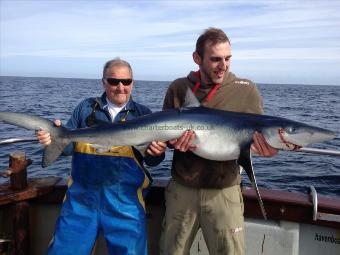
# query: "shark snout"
323,135
315,135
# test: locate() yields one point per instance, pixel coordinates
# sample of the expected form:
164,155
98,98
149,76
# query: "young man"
203,193
107,189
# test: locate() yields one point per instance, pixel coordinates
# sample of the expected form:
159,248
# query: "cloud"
166,31
286,53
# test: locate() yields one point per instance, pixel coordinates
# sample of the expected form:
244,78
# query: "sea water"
55,98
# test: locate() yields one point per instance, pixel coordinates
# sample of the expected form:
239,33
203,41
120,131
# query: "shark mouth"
288,146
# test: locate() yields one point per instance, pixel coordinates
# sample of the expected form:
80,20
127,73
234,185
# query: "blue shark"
221,135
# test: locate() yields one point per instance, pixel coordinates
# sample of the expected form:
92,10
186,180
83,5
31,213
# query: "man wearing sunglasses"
106,189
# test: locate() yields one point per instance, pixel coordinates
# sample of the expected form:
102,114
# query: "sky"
276,42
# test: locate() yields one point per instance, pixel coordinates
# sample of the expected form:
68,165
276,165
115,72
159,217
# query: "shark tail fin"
245,161
56,147
58,134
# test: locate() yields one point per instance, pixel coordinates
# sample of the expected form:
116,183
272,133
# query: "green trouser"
218,212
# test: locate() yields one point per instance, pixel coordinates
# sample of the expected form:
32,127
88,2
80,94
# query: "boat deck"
290,228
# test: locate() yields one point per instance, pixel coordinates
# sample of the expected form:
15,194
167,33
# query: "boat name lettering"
327,238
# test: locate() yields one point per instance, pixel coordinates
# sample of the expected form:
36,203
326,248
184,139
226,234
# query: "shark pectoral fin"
142,148
244,160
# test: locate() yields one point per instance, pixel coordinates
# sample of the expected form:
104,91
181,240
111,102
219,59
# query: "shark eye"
291,130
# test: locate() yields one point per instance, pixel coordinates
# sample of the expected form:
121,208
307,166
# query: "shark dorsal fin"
190,99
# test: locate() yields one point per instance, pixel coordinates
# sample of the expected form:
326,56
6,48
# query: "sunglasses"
115,82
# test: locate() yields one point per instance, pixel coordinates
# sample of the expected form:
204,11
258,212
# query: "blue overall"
106,191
